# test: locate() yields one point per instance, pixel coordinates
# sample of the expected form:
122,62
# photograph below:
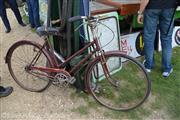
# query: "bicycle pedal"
117,84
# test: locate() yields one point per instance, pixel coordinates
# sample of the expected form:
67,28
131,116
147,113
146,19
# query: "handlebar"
77,18
95,22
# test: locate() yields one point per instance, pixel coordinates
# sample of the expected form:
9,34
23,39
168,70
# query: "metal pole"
49,14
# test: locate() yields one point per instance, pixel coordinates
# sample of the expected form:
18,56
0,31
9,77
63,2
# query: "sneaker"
22,24
147,70
8,30
5,91
166,74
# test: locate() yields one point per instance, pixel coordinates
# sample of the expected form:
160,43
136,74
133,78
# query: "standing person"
157,13
33,11
13,5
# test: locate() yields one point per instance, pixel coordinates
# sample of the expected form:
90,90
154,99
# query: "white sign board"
108,34
107,31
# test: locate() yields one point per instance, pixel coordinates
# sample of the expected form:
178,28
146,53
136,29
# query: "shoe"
8,30
147,70
5,91
22,24
32,27
166,74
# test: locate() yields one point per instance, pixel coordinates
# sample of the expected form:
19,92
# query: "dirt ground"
52,104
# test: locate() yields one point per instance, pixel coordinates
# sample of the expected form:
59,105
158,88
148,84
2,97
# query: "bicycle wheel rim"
129,86
19,56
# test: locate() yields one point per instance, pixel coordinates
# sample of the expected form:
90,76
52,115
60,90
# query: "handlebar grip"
76,18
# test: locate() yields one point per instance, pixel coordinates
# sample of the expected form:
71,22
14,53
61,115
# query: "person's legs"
151,17
166,38
30,12
3,15
15,9
36,13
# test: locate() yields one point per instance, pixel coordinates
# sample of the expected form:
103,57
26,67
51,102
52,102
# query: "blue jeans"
33,11
3,14
153,18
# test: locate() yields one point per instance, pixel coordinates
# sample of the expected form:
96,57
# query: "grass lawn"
163,103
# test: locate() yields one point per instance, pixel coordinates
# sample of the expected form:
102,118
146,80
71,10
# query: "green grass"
165,92
25,19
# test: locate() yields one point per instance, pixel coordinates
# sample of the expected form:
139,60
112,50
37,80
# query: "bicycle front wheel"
19,58
119,83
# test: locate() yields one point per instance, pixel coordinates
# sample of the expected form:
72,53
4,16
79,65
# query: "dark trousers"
33,11
3,14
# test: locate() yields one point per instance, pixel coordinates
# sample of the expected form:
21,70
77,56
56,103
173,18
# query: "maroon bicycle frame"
57,67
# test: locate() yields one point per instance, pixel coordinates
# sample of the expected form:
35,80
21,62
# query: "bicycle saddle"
46,31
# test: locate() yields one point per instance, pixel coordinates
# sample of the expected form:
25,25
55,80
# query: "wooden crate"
125,7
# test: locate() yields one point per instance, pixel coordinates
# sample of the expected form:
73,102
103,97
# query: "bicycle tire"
127,86
19,56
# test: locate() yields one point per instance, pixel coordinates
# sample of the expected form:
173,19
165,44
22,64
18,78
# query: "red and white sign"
132,44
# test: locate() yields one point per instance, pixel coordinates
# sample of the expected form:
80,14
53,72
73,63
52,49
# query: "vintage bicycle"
116,80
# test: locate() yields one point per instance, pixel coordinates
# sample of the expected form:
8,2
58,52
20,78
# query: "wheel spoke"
125,87
18,61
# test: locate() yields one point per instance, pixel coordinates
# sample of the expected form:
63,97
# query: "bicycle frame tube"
97,48
55,56
75,69
94,44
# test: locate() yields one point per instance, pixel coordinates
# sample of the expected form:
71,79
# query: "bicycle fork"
106,71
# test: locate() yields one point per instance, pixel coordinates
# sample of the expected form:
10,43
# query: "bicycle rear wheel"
19,58
123,84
